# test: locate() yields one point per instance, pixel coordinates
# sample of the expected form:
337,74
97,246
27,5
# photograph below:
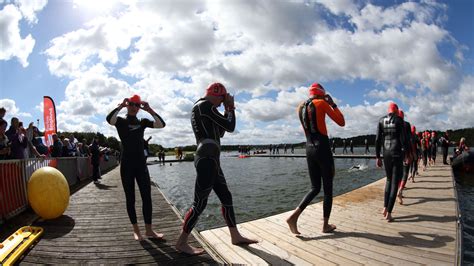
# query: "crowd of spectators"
20,143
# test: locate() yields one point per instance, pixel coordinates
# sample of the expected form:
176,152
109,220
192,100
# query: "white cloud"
13,111
13,45
172,50
29,8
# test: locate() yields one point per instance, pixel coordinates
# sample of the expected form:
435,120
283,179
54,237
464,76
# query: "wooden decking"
95,229
424,230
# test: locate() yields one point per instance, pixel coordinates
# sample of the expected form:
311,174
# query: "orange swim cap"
316,89
401,114
135,99
392,108
216,89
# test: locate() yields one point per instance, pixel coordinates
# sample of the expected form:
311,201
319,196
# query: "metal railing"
15,174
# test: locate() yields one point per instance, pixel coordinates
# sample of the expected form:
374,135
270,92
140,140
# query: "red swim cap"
135,99
413,129
316,89
392,108
216,89
401,114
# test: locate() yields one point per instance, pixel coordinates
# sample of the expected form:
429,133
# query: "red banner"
49,113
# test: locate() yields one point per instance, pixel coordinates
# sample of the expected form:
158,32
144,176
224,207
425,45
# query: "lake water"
466,205
260,186
266,186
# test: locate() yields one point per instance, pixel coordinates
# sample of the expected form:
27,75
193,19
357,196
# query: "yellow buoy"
48,192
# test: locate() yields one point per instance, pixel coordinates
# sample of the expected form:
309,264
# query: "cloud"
29,8
13,111
13,45
266,52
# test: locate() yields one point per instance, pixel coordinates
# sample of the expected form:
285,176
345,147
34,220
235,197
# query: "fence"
14,176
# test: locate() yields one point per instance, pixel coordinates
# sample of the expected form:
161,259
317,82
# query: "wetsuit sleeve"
336,115
378,139
158,123
112,118
227,121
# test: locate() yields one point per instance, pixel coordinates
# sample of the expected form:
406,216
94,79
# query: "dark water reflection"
260,186
466,205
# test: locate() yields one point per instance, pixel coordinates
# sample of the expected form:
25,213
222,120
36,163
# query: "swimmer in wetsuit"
391,136
133,162
406,166
312,114
416,154
434,147
209,127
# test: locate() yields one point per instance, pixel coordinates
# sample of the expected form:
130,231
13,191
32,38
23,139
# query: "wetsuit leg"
394,171
425,158
224,195
144,185
128,183
314,175
95,172
445,155
327,174
406,171
207,171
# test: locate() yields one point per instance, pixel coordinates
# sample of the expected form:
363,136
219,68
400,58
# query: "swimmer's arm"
378,140
335,114
227,122
112,117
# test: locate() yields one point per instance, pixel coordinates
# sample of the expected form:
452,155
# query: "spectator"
57,147
72,147
95,160
462,147
85,148
2,115
65,149
38,142
4,143
17,139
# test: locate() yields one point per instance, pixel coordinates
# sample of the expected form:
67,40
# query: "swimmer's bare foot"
328,228
154,235
292,221
384,212
292,224
190,250
238,239
241,240
399,198
183,246
389,218
150,233
136,233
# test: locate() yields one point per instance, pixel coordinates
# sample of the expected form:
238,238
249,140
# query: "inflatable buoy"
48,192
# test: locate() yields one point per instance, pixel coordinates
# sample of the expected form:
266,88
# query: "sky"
89,55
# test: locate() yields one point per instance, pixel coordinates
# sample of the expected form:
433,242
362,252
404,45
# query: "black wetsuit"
209,126
133,163
408,144
318,157
416,154
434,148
390,135
445,146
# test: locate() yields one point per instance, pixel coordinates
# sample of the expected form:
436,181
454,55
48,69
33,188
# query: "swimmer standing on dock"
209,126
133,160
312,114
391,135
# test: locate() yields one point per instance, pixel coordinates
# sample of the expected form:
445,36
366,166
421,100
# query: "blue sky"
88,55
